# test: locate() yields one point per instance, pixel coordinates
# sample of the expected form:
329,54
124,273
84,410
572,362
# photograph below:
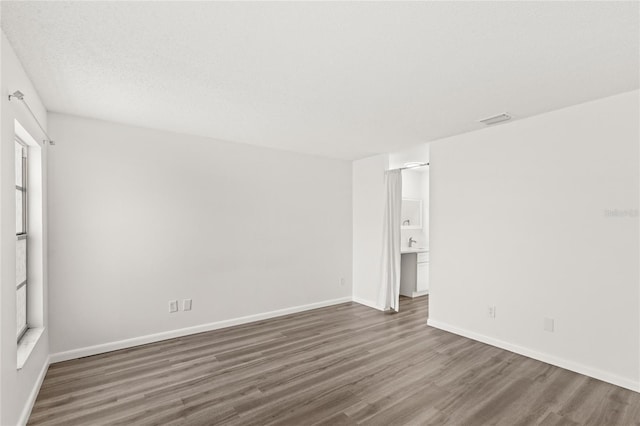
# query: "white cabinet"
414,274
422,278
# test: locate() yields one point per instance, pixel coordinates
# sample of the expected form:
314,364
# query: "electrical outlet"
173,306
341,281
491,312
549,324
186,305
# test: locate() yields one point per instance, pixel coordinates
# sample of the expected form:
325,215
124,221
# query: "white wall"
141,217
368,212
18,387
415,154
518,221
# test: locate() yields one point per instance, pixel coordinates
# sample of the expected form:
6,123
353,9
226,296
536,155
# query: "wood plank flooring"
341,365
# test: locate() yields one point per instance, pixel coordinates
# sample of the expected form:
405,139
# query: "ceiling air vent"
495,119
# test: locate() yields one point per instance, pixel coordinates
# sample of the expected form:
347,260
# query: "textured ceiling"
343,80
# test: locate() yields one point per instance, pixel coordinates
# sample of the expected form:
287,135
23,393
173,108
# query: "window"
30,248
21,237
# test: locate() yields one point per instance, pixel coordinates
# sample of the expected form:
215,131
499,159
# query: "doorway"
414,230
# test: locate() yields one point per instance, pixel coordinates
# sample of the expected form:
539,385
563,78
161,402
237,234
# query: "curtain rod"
20,96
417,166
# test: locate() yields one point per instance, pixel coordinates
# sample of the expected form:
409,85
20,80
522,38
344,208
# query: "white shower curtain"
389,296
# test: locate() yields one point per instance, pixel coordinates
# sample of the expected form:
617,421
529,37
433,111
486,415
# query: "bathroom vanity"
414,272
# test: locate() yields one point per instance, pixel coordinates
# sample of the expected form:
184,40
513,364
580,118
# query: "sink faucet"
411,241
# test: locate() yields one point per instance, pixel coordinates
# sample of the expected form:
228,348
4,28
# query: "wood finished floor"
341,365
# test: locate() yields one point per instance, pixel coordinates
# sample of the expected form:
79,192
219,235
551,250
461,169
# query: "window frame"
24,234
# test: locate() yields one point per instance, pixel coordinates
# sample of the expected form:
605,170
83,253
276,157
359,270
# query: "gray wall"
139,217
18,388
519,221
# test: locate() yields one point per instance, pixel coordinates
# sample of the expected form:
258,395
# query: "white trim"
151,338
27,344
367,303
540,356
31,400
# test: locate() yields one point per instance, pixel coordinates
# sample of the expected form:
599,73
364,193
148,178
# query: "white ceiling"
343,80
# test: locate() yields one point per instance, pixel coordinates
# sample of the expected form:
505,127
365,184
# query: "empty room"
320,213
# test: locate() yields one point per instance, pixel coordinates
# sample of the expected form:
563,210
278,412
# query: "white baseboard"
368,303
540,356
31,400
151,338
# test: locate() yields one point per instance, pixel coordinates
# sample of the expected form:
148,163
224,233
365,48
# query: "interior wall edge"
367,303
586,370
